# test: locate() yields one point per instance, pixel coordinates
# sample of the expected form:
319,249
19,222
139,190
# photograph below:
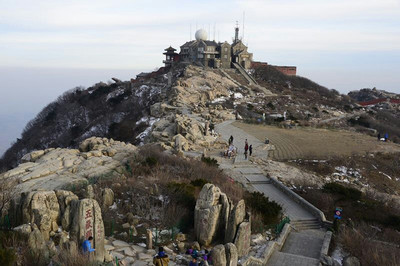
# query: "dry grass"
162,189
64,257
361,243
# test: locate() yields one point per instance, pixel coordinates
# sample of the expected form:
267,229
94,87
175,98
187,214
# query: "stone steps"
305,224
287,259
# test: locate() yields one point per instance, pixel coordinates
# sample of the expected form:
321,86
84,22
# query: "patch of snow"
338,254
386,175
219,100
237,95
146,132
142,120
143,245
139,92
114,206
114,94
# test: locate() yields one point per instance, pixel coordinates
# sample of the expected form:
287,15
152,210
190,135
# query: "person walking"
250,150
246,148
379,136
231,140
386,137
87,246
161,259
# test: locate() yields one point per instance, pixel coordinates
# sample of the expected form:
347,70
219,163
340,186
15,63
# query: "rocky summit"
220,165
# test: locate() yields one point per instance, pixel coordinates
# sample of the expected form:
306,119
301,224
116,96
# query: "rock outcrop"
236,217
231,254
208,216
42,212
88,222
242,239
41,208
216,218
218,255
53,169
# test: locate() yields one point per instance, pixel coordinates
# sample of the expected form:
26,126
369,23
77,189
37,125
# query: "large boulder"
231,254
41,208
218,255
236,217
242,239
37,243
207,214
87,221
24,229
64,200
108,197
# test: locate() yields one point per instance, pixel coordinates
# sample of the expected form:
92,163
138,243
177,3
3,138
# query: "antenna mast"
243,29
214,31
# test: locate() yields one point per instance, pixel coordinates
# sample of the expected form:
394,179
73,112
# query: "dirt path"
312,143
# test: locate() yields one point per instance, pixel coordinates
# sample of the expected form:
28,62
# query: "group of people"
385,137
232,150
198,258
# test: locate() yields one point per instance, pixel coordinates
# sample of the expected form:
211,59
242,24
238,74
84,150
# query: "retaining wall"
305,204
272,246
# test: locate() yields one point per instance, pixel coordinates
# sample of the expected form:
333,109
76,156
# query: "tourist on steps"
161,259
87,245
250,150
246,148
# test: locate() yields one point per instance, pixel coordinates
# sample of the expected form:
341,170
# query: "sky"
50,46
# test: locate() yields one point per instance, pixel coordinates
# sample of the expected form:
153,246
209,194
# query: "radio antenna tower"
243,29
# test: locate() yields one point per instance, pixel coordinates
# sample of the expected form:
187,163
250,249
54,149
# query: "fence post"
112,226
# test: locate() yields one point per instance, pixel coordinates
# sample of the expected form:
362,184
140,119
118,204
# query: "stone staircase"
248,77
237,83
300,248
299,225
281,258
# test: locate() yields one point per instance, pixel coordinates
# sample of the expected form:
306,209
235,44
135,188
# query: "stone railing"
302,202
272,246
326,243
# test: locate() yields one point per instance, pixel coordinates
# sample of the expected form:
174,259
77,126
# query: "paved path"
255,176
226,129
302,247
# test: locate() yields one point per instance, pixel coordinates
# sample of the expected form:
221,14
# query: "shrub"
200,182
150,161
393,221
360,242
183,193
7,256
209,161
260,204
348,193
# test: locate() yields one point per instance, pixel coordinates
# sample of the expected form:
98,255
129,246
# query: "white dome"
201,35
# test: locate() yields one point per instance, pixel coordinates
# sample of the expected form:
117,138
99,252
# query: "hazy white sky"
341,44
319,36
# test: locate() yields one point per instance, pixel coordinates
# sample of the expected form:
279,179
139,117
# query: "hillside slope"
165,106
